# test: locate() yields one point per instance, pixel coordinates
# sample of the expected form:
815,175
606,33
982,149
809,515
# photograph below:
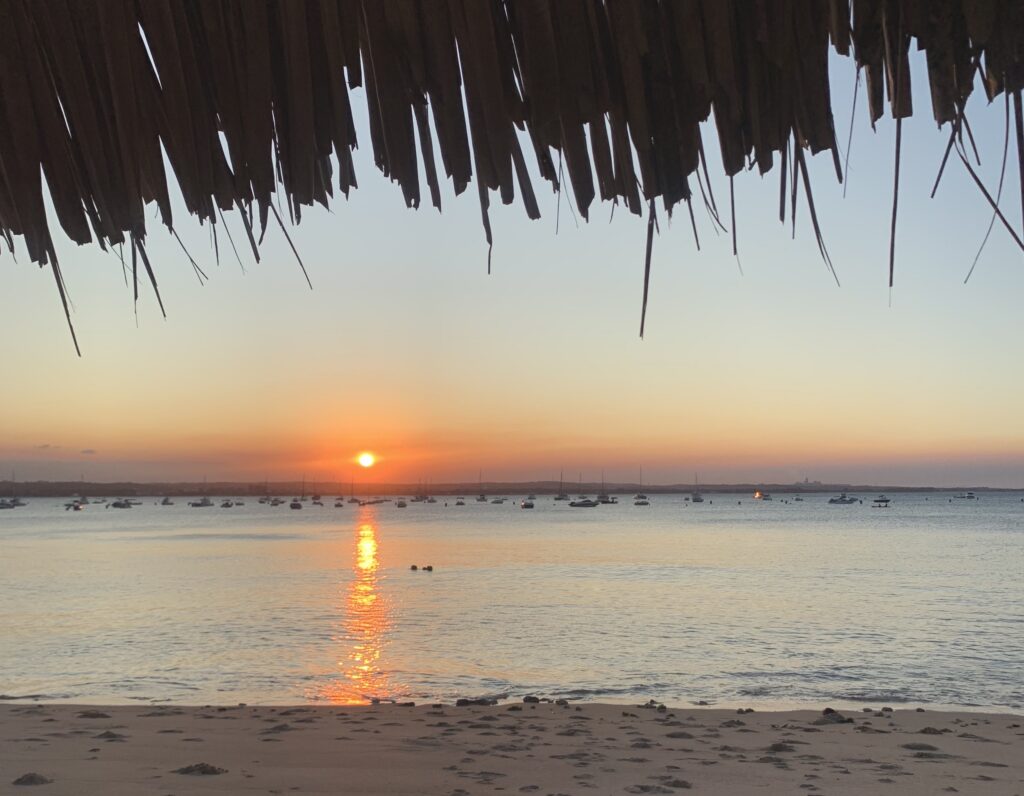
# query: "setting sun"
366,459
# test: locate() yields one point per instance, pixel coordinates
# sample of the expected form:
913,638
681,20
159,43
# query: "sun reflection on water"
366,623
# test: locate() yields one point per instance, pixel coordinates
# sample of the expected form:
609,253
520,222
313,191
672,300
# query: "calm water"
760,603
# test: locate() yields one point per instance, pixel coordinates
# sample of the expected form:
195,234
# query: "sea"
732,602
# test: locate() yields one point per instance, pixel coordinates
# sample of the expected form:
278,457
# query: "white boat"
696,496
759,495
460,502
842,500
120,504
202,503
526,504
881,502
561,488
584,503
640,496
498,500
966,496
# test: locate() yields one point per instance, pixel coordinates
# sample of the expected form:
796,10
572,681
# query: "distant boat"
295,504
203,503
759,495
497,500
460,502
881,502
966,496
603,497
6,504
166,502
400,504
526,504
121,504
798,499
227,504
640,499
584,503
697,497
842,500
561,489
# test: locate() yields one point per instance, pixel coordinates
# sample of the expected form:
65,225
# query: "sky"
762,370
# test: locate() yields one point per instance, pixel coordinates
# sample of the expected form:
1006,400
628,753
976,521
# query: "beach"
542,748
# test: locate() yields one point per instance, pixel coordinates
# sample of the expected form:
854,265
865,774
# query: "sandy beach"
541,748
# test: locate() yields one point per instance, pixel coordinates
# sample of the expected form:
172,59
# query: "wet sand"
510,748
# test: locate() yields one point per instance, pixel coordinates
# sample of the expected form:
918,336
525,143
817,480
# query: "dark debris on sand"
201,770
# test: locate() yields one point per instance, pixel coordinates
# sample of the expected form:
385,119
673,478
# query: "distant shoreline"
335,488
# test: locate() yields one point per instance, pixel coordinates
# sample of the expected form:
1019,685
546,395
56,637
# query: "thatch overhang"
248,100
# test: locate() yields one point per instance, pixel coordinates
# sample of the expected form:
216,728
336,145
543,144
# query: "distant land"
330,488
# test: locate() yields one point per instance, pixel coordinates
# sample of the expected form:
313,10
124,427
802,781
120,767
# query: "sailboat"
15,501
640,495
696,497
481,498
297,502
603,497
561,488
640,499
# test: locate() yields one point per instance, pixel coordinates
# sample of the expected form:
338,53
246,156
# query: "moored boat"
842,500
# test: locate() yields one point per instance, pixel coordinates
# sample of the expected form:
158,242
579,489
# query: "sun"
366,459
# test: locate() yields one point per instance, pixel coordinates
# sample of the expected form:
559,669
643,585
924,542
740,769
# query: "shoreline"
543,748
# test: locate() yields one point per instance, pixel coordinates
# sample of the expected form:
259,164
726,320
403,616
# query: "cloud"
88,452
46,446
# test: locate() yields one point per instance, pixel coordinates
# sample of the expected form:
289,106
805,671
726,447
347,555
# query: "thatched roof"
246,98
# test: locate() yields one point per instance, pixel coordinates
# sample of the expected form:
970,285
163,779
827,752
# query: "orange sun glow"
366,459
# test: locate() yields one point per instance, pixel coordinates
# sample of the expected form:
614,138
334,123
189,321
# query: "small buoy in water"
414,567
